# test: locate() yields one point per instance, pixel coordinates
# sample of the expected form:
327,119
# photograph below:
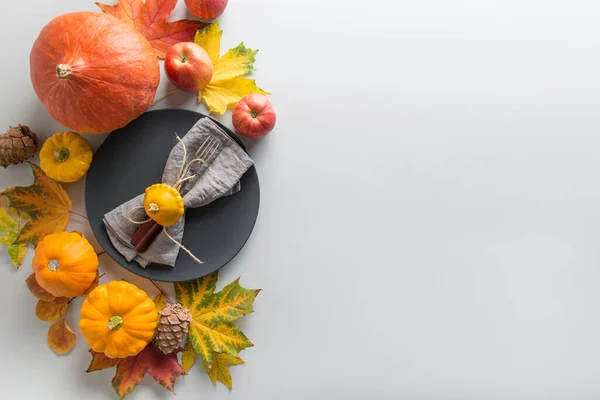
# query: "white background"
430,212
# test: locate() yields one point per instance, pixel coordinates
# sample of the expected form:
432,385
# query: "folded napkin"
224,163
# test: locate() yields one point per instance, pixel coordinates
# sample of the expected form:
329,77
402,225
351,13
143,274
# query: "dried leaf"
94,284
46,203
4,202
12,222
212,329
160,301
150,19
188,357
61,338
165,369
37,290
227,86
101,361
218,370
50,311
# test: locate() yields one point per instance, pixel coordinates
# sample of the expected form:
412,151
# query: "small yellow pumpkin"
65,264
66,157
163,204
118,319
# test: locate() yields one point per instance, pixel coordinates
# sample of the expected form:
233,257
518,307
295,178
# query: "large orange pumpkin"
92,72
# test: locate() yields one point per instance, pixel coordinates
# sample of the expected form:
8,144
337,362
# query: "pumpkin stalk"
115,322
61,155
63,71
153,208
53,264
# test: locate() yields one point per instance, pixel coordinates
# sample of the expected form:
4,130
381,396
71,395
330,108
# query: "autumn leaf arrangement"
125,329
198,325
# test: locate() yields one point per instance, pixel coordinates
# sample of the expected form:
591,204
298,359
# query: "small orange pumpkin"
65,264
118,319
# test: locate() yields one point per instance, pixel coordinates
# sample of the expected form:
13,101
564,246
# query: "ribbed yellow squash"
118,319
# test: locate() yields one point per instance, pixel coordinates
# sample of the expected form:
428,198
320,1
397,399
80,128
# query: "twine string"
136,222
182,247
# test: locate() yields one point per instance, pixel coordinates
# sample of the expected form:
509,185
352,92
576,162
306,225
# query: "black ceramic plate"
133,158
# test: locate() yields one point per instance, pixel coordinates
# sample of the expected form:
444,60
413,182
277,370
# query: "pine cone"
17,145
173,323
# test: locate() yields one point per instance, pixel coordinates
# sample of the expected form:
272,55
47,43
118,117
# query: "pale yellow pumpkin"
66,157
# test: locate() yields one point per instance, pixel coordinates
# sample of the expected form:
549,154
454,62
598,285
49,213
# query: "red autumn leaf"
101,361
150,19
37,290
165,369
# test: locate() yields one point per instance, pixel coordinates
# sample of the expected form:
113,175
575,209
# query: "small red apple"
206,9
254,116
188,66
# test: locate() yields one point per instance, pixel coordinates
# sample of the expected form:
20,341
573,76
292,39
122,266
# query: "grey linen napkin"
219,177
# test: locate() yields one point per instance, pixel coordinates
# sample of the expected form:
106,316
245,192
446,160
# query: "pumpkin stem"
53,264
153,208
115,322
61,155
63,71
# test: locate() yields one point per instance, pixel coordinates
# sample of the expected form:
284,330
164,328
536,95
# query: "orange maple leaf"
150,19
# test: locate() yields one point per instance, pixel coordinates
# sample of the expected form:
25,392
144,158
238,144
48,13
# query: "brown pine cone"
17,145
173,324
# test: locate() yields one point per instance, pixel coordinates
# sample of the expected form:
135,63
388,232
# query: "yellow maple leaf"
218,370
160,301
45,202
188,357
227,86
12,222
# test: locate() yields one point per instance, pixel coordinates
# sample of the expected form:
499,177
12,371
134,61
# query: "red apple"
188,66
206,9
254,116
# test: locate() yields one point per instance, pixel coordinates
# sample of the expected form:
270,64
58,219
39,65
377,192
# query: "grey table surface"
428,226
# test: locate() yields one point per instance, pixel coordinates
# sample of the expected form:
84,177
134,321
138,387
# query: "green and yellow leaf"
45,202
193,293
12,222
212,329
237,62
229,304
218,370
227,86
